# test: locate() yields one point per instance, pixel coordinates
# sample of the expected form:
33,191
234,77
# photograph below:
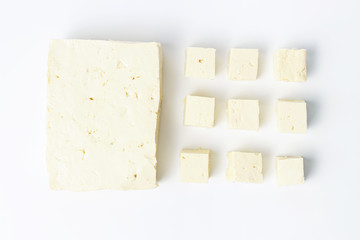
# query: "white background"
325,207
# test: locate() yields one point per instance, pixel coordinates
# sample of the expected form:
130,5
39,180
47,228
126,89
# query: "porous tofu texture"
243,64
200,63
244,167
194,165
243,114
289,170
199,111
103,106
291,116
290,65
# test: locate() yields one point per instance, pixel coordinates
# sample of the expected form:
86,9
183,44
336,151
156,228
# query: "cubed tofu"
243,64
200,63
194,165
289,170
290,65
103,106
243,114
244,167
199,111
291,116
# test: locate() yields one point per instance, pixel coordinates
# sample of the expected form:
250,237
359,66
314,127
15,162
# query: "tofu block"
291,116
244,167
199,111
243,64
243,114
289,170
194,165
200,63
290,65
103,106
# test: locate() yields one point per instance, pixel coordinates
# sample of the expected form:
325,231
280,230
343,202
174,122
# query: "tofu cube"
194,165
199,111
243,64
291,116
200,63
289,170
243,114
290,65
244,167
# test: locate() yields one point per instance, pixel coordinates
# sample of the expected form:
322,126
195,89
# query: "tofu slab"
103,106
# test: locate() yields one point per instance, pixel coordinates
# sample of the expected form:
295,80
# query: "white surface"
325,207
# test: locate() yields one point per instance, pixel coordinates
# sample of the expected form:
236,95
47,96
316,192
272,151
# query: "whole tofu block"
199,111
289,170
243,64
243,114
291,116
194,165
200,62
290,65
244,167
103,106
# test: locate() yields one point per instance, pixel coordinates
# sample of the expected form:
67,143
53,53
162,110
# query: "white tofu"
244,167
289,170
243,114
199,111
103,105
243,64
290,65
291,116
194,165
200,62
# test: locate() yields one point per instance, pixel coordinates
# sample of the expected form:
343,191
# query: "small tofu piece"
289,170
199,111
243,114
244,167
290,65
194,165
200,63
291,116
243,64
